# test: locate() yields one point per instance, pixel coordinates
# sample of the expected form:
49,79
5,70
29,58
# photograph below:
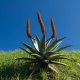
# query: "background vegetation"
10,69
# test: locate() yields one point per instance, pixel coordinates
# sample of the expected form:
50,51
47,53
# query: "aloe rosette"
46,52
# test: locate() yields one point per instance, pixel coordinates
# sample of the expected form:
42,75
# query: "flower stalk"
53,29
28,29
41,23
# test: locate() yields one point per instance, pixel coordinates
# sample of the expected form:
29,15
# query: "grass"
10,69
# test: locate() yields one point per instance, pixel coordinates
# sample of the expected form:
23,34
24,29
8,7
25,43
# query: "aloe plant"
46,52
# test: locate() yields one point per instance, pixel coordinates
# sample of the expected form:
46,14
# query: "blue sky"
14,14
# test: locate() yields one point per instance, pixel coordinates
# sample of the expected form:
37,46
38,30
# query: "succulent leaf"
56,55
32,50
58,58
56,46
25,59
53,68
25,50
35,43
58,63
60,49
38,41
49,54
53,44
29,47
37,56
48,42
43,45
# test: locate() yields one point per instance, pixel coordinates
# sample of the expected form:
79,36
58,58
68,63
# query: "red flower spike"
53,29
41,23
28,29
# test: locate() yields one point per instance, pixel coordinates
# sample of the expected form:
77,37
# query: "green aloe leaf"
24,58
56,55
29,47
37,56
25,51
30,62
53,68
58,58
49,53
31,54
43,45
35,43
57,51
58,63
48,42
38,41
54,44
32,50
60,49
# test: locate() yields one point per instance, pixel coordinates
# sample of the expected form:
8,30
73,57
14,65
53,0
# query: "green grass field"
10,69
